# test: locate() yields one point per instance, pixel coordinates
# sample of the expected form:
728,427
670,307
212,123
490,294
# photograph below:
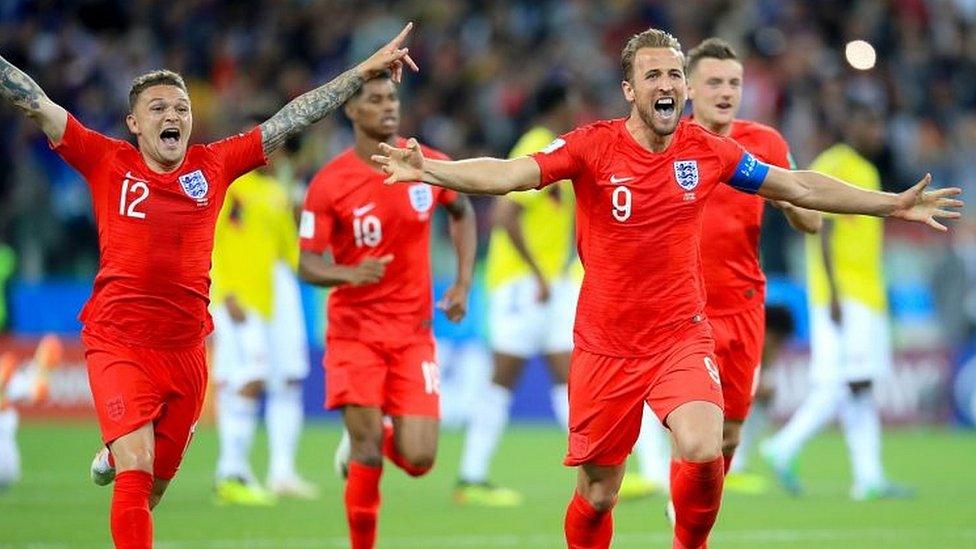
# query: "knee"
366,448
252,389
134,459
601,497
420,462
700,447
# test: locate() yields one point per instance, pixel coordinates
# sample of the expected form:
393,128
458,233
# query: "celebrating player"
379,357
734,282
641,333
156,206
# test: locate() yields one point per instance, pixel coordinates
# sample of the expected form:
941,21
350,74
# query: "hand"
836,312
237,313
917,204
390,57
401,164
542,291
368,271
455,302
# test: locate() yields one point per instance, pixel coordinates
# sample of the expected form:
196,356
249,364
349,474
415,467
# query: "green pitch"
56,506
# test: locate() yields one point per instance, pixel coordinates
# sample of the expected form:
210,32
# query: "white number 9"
622,201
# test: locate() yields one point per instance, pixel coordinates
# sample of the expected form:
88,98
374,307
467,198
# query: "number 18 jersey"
639,218
155,233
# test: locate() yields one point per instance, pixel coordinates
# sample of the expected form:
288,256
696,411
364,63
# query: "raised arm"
816,191
315,105
22,92
474,176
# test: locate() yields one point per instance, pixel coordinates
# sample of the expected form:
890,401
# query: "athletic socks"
393,454
284,416
362,504
861,423
653,449
559,394
696,491
236,423
130,518
9,453
485,427
586,527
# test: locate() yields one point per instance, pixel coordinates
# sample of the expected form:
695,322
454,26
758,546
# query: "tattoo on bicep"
18,88
308,108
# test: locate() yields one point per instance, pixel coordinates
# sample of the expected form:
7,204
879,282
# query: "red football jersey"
639,227
155,233
349,209
730,229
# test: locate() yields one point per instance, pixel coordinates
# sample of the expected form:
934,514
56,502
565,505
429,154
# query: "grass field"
56,506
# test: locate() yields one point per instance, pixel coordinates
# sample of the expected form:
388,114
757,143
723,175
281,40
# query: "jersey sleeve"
315,226
781,153
740,168
561,159
83,149
240,153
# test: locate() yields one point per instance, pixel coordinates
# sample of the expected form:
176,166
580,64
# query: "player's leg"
131,518
289,368
411,443
653,455
558,346
364,425
412,399
589,518
9,452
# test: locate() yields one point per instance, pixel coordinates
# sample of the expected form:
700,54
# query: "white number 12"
137,187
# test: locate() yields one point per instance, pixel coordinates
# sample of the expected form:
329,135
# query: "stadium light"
860,55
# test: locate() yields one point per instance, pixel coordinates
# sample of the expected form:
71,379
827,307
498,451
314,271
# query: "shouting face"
162,121
657,89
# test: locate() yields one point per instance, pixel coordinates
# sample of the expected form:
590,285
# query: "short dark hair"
712,48
154,78
384,75
779,320
550,97
651,38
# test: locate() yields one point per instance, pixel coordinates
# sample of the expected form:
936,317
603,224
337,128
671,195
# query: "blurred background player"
22,385
379,359
533,276
850,341
779,329
259,338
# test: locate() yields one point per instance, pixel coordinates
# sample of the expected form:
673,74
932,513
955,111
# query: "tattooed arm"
315,105
20,91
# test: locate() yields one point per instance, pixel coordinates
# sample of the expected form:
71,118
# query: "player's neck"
647,137
159,167
366,146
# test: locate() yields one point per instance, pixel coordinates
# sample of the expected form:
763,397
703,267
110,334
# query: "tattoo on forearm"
18,88
309,108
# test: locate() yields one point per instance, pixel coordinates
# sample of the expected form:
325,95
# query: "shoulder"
695,138
431,152
757,131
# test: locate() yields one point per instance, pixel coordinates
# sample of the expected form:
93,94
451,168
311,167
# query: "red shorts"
607,394
401,379
738,348
132,386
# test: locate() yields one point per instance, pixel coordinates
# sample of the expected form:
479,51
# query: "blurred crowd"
481,62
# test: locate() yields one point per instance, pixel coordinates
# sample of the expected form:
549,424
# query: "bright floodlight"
860,55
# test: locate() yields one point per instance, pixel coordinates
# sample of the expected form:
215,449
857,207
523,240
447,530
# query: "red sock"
696,490
728,462
391,453
362,504
131,520
587,528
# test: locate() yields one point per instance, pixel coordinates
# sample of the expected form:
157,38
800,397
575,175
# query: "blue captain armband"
749,174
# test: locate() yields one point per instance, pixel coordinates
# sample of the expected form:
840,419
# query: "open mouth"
170,137
665,107
388,120
724,106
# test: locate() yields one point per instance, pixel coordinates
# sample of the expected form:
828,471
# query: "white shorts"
289,343
521,326
241,351
857,350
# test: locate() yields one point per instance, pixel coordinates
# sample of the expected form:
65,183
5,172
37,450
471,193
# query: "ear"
691,91
348,108
132,123
628,89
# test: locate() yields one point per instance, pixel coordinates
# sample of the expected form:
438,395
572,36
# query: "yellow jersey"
546,221
856,241
255,230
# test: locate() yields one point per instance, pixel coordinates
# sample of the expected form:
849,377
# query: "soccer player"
255,235
734,281
533,279
849,337
156,205
641,333
379,358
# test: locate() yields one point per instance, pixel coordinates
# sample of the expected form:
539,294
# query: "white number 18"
622,201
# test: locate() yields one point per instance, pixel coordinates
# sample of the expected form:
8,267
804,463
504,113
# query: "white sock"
653,450
20,386
861,423
9,454
236,423
284,415
485,428
752,430
560,404
817,410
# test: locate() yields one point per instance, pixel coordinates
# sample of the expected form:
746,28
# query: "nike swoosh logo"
618,180
363,210
130,177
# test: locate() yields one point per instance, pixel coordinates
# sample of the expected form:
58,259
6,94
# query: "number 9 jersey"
155,233
349,210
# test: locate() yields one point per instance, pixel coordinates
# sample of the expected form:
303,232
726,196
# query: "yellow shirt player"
533,278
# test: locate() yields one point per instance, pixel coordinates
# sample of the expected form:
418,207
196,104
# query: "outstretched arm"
22,92
315,105
474,176
801,219
816,191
